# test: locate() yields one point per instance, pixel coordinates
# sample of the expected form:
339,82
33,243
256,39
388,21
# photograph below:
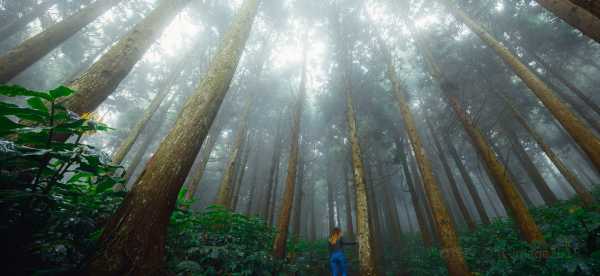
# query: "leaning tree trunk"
468,181
574,126
452,252
574,15
100,80
135,131
576,184
534,174
18,24
462,207
224,193
133,241
33,49
283,220
198,171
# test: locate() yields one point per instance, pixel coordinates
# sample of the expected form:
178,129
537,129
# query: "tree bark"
574,126
15,61
453,186
573,180
283,220
133,241
536,177
299,200
241,173
576,16
101,79
468,181
198,172
18,24
451,250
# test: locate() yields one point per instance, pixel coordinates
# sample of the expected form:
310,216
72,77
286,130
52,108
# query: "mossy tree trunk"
574,126
101,79
133,241
33,49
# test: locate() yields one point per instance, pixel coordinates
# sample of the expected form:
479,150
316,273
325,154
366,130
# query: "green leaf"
37,104
61,91
15,90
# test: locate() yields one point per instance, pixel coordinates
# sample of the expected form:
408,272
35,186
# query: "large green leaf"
14,91
37,104
61,91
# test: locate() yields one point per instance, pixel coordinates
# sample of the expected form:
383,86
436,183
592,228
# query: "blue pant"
337,260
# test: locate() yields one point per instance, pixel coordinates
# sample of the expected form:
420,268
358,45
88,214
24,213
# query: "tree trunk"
18,24
224,194
575,183
253,181
135,131
574,15
283,220
536,177
100,80
133,241
468,181
462,207
592,6
574,126
33,49
451,250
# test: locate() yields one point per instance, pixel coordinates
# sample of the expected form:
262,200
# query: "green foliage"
497,249
220,242
55,193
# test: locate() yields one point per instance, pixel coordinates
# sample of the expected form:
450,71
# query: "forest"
300,137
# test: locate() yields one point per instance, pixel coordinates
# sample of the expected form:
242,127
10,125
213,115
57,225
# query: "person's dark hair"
336,234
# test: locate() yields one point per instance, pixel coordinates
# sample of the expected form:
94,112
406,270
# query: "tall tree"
31,50
348,198
364,236
101,79
447,235
574,126
271,181
133,233
283,220
574,15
